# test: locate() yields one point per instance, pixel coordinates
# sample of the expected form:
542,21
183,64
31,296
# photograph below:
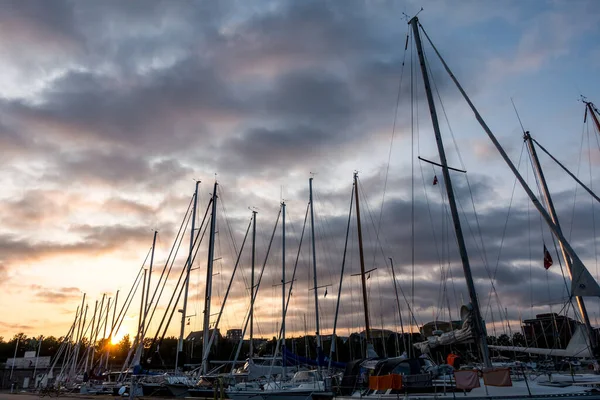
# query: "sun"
117,337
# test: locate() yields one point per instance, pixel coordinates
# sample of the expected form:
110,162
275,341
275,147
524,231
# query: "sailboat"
393,377
304,384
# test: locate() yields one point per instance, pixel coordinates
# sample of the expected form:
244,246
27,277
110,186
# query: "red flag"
547,258
435,181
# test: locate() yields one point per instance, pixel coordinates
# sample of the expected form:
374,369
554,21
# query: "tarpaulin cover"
385,382
497,377
466,379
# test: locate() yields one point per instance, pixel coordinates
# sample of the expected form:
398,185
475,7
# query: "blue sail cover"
322,361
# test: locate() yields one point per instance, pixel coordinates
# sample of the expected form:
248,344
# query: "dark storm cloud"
175,106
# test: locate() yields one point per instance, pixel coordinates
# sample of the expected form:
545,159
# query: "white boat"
304,385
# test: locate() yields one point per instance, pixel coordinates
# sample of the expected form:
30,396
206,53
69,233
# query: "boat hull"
280,395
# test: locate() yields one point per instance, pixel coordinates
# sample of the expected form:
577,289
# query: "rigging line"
124,309
593,208
501,246
199,238
576,187
413,101
387,170
456,148
431,220
444,212
195,243
505,157
182,229
485,264
232,238
255,292
483,249
324,228
530,256
237,262
370,215
538,185
380,247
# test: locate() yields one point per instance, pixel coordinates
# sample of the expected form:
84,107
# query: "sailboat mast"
147,305
479,325
554,216
283,358
252,284
314,257
592,111
187,279
363,279
398,304
140,326
585,284
209,273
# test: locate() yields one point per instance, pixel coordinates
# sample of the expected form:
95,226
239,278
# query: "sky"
109,111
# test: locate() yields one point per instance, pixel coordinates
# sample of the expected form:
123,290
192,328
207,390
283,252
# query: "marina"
409,282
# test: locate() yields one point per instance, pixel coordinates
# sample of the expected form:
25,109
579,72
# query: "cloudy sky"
110,110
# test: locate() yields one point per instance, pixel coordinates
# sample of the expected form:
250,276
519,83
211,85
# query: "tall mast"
554,216
147,308
585,284
252,284
283,358
140,326
314,257
479,325
363,279
398,304
592,110
209,272
187,279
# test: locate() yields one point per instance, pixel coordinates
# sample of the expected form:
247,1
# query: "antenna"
518,117
408,17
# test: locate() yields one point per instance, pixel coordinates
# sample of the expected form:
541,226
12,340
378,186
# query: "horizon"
110,112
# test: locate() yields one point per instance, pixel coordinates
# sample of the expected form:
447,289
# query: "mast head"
415,19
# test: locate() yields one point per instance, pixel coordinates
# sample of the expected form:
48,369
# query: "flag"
435,181
325,292
547,258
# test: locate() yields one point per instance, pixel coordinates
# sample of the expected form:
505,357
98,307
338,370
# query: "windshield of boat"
306,376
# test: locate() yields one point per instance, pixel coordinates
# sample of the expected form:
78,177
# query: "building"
23,372
197,336
235,335
549,331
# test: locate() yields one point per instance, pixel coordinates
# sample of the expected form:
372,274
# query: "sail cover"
577,347
456,336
